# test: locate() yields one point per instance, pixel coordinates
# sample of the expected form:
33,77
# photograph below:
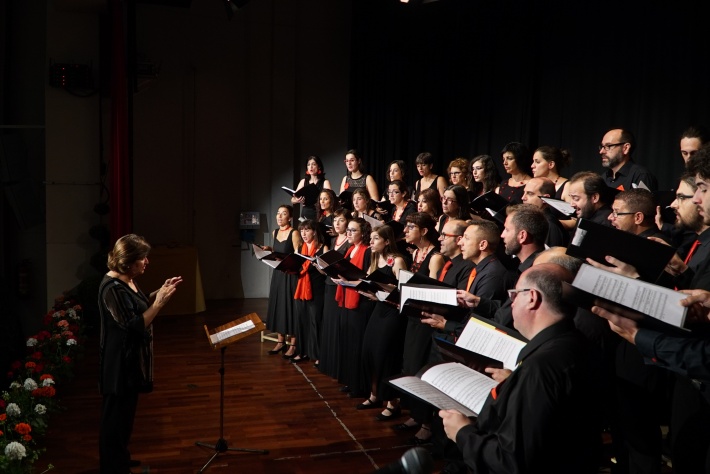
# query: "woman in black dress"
421,232
356,177
384,336
315,174
455,205
517,162
329,362
399,197
280,313
126,347
357,310
428,180
309,295
484,175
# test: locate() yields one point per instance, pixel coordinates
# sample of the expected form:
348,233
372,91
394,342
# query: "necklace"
338,244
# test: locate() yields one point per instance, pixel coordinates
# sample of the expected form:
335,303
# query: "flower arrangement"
30,397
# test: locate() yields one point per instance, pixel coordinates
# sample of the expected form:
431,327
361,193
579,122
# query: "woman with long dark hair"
429,202
399,197
384,336
484,175
315,174
454,204
547,163
309,295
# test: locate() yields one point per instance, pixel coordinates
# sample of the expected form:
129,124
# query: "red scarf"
348,297
303,288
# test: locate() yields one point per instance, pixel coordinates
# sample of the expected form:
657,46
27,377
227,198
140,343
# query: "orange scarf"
303,288
348,297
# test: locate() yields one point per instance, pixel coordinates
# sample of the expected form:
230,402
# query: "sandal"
278,349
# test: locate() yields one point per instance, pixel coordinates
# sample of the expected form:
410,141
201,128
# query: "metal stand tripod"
221,445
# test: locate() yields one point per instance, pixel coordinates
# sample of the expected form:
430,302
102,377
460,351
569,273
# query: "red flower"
67,359
30,365
390,261
2,403
347,185
3,417
27,438
36,355
39,368
44,392
23,428
45,377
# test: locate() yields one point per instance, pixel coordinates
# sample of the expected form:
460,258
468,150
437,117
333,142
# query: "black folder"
490,200
337,266
310,192
596,241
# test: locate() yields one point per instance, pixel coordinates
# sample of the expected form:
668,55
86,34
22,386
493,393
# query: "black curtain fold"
462,78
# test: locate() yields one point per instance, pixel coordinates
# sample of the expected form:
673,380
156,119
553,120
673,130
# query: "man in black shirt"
622,172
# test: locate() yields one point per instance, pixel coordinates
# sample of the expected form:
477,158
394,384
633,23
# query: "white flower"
30,384
40,409
71,342
47,382
57,315
15,385
71,313
15,451
13,410
31,342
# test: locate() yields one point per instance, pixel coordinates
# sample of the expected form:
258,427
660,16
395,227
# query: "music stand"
219,338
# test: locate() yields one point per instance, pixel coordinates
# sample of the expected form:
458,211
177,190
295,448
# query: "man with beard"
691,140
590,197
524,234
622,172
696,247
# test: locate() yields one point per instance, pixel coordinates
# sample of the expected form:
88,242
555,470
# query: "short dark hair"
522,155
400,164
638,200
530,219
401,186
488,231
699,162
426,221
424,158
127,251
696,131
593,184
547,187
365,228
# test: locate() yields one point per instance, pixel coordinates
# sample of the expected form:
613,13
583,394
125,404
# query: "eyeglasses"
351,231
682,197
616,215
446,200
394,191
442,236
513,293
411,226
454,173
610,146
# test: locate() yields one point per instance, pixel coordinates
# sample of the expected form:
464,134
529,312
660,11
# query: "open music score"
235,330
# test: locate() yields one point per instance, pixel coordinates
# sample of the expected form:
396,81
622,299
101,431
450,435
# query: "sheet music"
653,300
562,206
487,340
233,331
431,394
466,386
434,295
374,223
292,191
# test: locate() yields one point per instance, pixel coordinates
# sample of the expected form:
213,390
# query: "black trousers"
117,415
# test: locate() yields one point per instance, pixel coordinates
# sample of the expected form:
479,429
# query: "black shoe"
283,348
369,404
406,427
287,357
395,412
300,359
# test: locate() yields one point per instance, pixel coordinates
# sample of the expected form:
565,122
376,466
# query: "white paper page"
656,301
292,191
374,223
466,386
404,277
434,295
432,395
259,252
487,340
233,331
562,206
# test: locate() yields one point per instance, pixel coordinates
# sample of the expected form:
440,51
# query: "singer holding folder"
315,175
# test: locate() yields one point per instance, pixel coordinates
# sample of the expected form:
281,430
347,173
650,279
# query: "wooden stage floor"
293,411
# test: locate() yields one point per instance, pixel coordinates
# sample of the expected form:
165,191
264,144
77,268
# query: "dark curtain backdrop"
465,77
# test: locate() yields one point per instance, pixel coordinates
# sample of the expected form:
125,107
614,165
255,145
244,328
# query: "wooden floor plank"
295,412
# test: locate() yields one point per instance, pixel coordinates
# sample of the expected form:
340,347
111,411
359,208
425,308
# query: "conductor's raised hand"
166,291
